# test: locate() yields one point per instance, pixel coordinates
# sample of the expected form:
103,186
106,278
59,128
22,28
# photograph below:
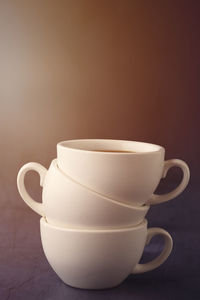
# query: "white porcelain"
98,259
67,203
127,177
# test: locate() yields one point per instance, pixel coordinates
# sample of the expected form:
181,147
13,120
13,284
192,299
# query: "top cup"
125,171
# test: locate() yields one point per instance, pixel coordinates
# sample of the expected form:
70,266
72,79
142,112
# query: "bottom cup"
98,259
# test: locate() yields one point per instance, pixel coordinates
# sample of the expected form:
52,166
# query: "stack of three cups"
96,195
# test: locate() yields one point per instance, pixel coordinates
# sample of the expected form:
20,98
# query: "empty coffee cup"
67,203
121,170
98,259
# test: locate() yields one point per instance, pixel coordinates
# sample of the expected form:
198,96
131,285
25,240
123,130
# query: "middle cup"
67,203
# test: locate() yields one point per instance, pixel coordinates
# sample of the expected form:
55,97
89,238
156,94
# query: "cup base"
80,286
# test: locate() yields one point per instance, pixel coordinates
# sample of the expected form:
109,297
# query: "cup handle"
156,199
159,260
36,206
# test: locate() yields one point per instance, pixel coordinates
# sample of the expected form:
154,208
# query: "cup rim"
143,207
143,224
70,145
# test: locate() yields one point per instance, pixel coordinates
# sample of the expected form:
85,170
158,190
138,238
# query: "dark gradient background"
98,69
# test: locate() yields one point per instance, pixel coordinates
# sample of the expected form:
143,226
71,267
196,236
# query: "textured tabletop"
26,274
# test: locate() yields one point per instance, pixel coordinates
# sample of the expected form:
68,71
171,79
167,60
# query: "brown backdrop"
120,69
96,69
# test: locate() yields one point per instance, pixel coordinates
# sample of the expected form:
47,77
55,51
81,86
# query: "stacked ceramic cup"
96,195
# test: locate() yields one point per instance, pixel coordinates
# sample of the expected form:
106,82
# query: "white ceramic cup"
98,259
67,203
127,177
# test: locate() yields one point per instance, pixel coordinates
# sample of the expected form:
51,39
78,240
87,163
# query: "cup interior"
93,145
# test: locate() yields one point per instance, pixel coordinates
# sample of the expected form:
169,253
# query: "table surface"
26,274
